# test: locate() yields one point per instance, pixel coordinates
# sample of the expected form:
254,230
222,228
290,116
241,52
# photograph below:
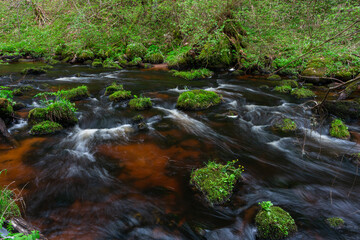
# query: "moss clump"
45,127
109,63
286,125
154,58
138,118
6,109
85,55
339,130
141,103
283,89
335,222
35,70
193,74
135,50
114,87
198,100
291,83
302,93
216,52
120,95
274,77
61,112
76,94
8,207
97,63
216,181
20,91
180,58
274,223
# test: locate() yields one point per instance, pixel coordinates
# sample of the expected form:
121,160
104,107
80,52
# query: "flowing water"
105,179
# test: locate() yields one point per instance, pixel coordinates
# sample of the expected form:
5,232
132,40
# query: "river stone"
344,109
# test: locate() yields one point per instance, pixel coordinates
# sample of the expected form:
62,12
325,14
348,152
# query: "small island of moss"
198,100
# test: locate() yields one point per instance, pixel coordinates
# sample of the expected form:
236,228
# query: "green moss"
302,93
8,207
61,112
216,52
86,55
198,99
138,118
45,127
20,91
109,63
193,74
76,94
216,181
286,125
335,222
35,70
180,58
339,130
97,63
114,87
283,89
154,58
233,28
6,109
274,224
141,103
120,95
135,50
291,83
274,77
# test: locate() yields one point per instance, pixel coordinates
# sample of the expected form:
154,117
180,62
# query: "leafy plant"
266,205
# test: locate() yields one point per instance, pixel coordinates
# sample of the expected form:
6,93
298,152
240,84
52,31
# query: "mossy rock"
216,181
154,58
265,87
6,109
109,63
35,70
335,222
198,100
302,93
274,224
85,55
135,50
285,125
274,77
141,103
97,63
316,69
76,94
59,112
45,127
291,83
114,87
339,130
138,118
193,74
283,89
345,74
345,109
18,106
120,96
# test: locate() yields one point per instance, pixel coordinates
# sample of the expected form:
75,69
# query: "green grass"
198,100
45,127
193,74
273,223
140,103
286,125
216,181
302,93
76,94
114,87
339,130
120,95
335,222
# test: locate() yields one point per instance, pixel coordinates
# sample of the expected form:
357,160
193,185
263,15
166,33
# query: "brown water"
103,179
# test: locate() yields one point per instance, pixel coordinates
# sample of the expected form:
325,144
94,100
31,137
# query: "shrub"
216,181
302,93
339,130
335,222
135,50
283,89
198,100
193,74
45,127
35,70
286,125
274,223
120,95
76,94
114,87
141,103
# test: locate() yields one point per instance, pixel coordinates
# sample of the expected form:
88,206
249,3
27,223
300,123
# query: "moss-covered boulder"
114,87
134,50
344,109
120,96
140,103
60,112
216,181
285,125
6,109
291,83
154,58
198,100
302,93
335,222
109,63
339,130
45,127
193,74
274,223
76,94
97,63
84,55
138,118
316,70
274,77
283,89
35,70
18,106
20,90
